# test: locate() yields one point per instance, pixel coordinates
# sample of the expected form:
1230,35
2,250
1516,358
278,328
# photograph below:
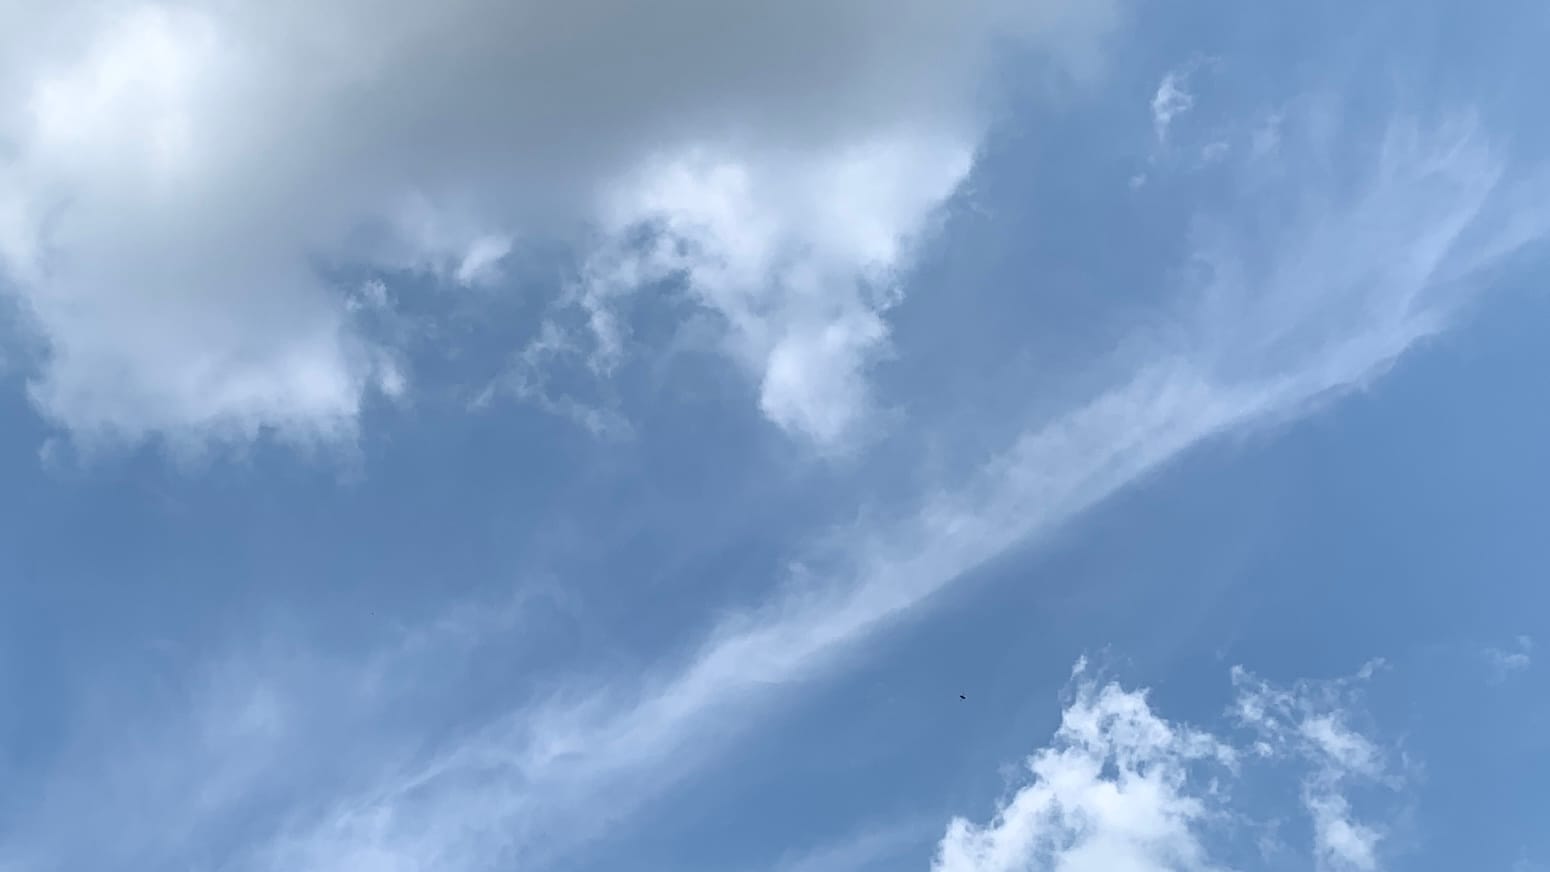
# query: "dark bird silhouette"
961,696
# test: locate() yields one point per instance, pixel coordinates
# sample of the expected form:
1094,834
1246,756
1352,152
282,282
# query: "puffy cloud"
163,306
179,180
1120,789
798,256
1076,817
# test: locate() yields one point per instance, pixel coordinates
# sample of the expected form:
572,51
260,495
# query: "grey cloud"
170,174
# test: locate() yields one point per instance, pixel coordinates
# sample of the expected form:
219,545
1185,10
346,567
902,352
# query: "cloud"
175,765
162,306
1311,723
151,787
1074,818
1170,100
1309,287
1120,789
179,182
867,848
1285,314
1519,657
798,258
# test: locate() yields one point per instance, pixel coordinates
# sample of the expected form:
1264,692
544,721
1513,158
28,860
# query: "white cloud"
1202,145
481,261
1297,303
158,316
1505,661
799,258
1171,100
175,177
1075,817
1311,723
1321,306
1122,790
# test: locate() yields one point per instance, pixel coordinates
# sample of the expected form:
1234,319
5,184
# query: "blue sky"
830,436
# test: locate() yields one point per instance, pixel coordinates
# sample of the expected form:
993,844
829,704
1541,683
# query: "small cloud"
797,263
371,296
1312,724
481,262
1171,100
375,315
527,379
56,455
1214,151
1516,658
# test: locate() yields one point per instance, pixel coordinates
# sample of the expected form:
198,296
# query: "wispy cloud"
866,848
1516,658
185,767
1310,722
1171,100
1120,787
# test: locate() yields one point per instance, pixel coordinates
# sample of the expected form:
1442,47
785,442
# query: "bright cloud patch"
1121,789
177,181
137,256
1171,100
797,256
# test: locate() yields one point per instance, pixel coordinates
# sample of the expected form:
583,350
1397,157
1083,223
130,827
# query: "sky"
1002,435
